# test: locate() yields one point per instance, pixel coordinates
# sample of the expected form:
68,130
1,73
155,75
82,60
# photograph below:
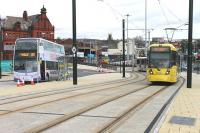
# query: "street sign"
8,47
74,50
91,55
80,54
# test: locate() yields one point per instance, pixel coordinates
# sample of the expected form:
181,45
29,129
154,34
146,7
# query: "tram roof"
164,45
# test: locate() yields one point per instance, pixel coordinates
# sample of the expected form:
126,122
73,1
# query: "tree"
198,45
184,44
139,42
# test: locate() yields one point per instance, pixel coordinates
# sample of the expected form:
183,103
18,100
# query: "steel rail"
61,91
76,87
156,118
110,125
67,97
66,117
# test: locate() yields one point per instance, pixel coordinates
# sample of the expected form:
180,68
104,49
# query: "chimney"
25,15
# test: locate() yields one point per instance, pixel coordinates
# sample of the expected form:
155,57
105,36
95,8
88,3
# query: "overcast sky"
97,18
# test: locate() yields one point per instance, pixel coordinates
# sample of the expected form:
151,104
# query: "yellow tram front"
162,63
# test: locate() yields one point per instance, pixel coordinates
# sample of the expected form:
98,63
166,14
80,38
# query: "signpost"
123,38
189,62
74,49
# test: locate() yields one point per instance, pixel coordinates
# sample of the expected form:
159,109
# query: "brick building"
26,26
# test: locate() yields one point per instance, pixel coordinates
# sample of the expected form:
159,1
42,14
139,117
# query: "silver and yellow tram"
162,63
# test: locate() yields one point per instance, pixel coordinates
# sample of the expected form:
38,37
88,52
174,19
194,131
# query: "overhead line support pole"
123,41
74,42
189,62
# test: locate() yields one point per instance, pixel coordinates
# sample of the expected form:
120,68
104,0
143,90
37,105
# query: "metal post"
1,48
96,53
120,64
133,54
181,56
123,37
189,62
74,42
145,23
90,53
149,34
127,42
127,15
198,67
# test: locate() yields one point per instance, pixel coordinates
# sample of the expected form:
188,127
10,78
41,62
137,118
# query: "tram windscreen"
159,59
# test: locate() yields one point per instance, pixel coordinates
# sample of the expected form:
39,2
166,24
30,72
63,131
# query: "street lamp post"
189,62
127,41
120,61
123,38
120,64
145,23
74,49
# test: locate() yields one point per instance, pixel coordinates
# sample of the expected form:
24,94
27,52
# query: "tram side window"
177,59
173,59
50,65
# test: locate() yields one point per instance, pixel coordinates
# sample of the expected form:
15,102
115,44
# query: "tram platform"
103,76
183,114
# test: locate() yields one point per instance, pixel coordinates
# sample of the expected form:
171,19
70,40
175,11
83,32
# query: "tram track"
64,89
14,106
113,125
12,99
67,116
109,127
156,120
85,103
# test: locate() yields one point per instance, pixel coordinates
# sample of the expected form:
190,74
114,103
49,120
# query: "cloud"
96,19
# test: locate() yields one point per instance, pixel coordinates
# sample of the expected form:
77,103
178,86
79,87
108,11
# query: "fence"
64,68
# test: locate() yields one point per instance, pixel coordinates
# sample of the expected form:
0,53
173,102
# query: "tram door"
42,70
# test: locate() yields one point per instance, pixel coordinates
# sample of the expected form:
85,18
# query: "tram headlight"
167,72
151,72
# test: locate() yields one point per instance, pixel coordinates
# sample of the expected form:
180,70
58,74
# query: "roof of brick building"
10,22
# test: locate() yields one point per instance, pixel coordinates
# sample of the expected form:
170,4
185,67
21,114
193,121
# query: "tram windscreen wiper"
154,66
157,68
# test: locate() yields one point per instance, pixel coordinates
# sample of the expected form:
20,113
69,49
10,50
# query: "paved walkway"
106,75
183,115
6,77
